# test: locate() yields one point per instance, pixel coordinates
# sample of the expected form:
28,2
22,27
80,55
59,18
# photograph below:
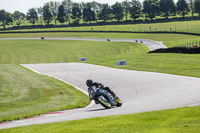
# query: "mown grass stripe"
28,94
184,27
184,120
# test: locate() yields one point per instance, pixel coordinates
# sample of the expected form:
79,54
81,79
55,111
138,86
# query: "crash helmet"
89,82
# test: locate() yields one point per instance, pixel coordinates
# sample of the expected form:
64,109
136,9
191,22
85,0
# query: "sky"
24,5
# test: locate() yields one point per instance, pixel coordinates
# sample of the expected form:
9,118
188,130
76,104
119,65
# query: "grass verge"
180,26
181,120
24,93
101,53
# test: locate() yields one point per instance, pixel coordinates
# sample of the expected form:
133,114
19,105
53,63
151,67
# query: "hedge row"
184,50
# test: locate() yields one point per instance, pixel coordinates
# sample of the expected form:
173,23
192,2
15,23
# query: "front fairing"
92,91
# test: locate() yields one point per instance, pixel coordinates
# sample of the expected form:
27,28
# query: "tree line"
67,11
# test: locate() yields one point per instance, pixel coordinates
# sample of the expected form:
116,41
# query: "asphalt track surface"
152,45
139,91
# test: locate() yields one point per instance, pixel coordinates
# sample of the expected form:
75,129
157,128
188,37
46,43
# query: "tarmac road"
152,45
139,91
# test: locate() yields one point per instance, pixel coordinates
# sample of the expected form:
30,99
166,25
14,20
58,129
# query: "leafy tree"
18,17
5,18
88,13
117,11
47,15
83,5
61,14
197,6
67,4
85,15
54,9
167,8
126,8
151,8
32,15
96,7
76,13
40,13
192,7
105,13
182,7
135,9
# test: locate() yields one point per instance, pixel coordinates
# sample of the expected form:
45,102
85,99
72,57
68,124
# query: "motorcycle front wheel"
119,102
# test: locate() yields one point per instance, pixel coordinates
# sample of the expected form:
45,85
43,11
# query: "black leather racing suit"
105,88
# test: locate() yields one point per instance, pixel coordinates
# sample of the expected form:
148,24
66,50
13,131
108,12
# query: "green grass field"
24,93
101,53
180,26
182,120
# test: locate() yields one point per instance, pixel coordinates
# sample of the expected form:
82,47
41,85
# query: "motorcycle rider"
90,83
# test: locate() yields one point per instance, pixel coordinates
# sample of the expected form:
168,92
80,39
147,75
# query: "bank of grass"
101,53
169,40
181,120
180,26
24,93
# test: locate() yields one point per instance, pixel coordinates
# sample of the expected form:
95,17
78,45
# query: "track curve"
152,45
139,91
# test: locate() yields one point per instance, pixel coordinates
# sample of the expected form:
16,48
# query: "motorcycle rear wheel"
104,102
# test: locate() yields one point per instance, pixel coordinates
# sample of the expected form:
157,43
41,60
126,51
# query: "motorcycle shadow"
99,109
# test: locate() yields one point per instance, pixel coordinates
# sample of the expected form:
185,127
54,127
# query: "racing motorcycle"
101,96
